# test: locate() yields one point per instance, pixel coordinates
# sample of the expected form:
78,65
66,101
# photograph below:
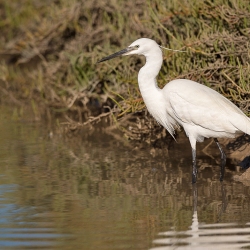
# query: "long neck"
147,78
152,95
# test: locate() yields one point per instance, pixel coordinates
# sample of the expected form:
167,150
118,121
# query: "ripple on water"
206,237
22,227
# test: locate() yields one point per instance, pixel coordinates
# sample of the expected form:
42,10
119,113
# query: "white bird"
200,110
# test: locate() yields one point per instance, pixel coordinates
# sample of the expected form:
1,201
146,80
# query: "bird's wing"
205,108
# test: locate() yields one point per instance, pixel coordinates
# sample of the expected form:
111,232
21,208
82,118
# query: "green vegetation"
50,48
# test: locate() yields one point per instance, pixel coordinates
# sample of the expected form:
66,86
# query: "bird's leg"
223,160
193,146
195,197
194,172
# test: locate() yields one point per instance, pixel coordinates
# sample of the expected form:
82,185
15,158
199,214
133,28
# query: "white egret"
200,110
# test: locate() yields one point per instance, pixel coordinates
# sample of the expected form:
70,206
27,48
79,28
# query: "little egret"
201,111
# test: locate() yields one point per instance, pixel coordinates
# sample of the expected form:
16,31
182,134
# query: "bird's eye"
137,46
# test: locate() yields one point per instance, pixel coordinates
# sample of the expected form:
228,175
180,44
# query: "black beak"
119,53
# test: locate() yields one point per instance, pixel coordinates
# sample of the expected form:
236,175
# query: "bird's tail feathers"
242,123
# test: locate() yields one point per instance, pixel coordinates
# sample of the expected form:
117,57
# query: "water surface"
96,191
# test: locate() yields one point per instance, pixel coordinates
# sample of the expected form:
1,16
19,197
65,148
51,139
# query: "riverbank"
49,52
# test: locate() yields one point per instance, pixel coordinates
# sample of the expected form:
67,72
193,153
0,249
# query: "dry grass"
51,49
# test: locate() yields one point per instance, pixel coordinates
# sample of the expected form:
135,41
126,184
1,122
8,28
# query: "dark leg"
223,160
224,202
194,173
195,197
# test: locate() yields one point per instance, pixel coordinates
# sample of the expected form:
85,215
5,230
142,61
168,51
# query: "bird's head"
142,46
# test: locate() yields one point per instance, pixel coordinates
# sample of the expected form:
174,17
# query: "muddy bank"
49,54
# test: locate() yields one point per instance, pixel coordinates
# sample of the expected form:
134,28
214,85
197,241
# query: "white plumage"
201,111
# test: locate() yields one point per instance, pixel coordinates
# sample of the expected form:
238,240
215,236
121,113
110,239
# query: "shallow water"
95,191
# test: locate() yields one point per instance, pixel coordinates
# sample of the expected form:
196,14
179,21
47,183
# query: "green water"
96,191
